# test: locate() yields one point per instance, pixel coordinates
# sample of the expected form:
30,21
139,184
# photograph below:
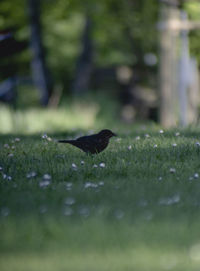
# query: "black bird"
92,144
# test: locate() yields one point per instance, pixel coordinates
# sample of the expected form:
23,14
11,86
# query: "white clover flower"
17,139
129,147
147,135
82,162
137,138
68,186
31,174
95,166
177,134
143,203
74,166
5,211
44,136
68,211
70,201
1,168
174,145
4,176
155,146
9,178
198,144
43,209
196,175
161,131
90,184
44,183
46,176
102,165
6,146
84,211
170,200
172,170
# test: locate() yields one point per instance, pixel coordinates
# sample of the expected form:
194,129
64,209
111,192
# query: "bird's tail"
65,141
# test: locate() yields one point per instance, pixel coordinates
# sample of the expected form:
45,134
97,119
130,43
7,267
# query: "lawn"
135,206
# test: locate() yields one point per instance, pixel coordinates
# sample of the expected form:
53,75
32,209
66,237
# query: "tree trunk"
168,67
85,61
39,69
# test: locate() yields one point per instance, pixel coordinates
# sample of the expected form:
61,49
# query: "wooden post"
179,84
168,67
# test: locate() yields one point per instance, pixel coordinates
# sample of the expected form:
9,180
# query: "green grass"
132,214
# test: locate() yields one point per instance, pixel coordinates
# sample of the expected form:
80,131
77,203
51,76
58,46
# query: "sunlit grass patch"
35,120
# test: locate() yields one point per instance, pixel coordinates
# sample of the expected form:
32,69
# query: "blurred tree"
85,60
39,68
123,34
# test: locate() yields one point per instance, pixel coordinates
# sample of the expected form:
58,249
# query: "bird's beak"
114,134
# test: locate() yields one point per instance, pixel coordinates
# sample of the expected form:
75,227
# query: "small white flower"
74,166
46,176
6,146
147,135
170,200
43,209
196,175
161,131
10,155
129,147
68,211
82,162
84,211
119,214
160,178
44,136
44,183
143,203
101,183
102,165
17,139
174,145
90,184
1,168
155,146
95,166
31,174
68,186
70,201
177,134
172,170
137,138
198,144
5,211
4,176
9,178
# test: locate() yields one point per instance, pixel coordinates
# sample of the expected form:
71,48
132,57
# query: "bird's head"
106,133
